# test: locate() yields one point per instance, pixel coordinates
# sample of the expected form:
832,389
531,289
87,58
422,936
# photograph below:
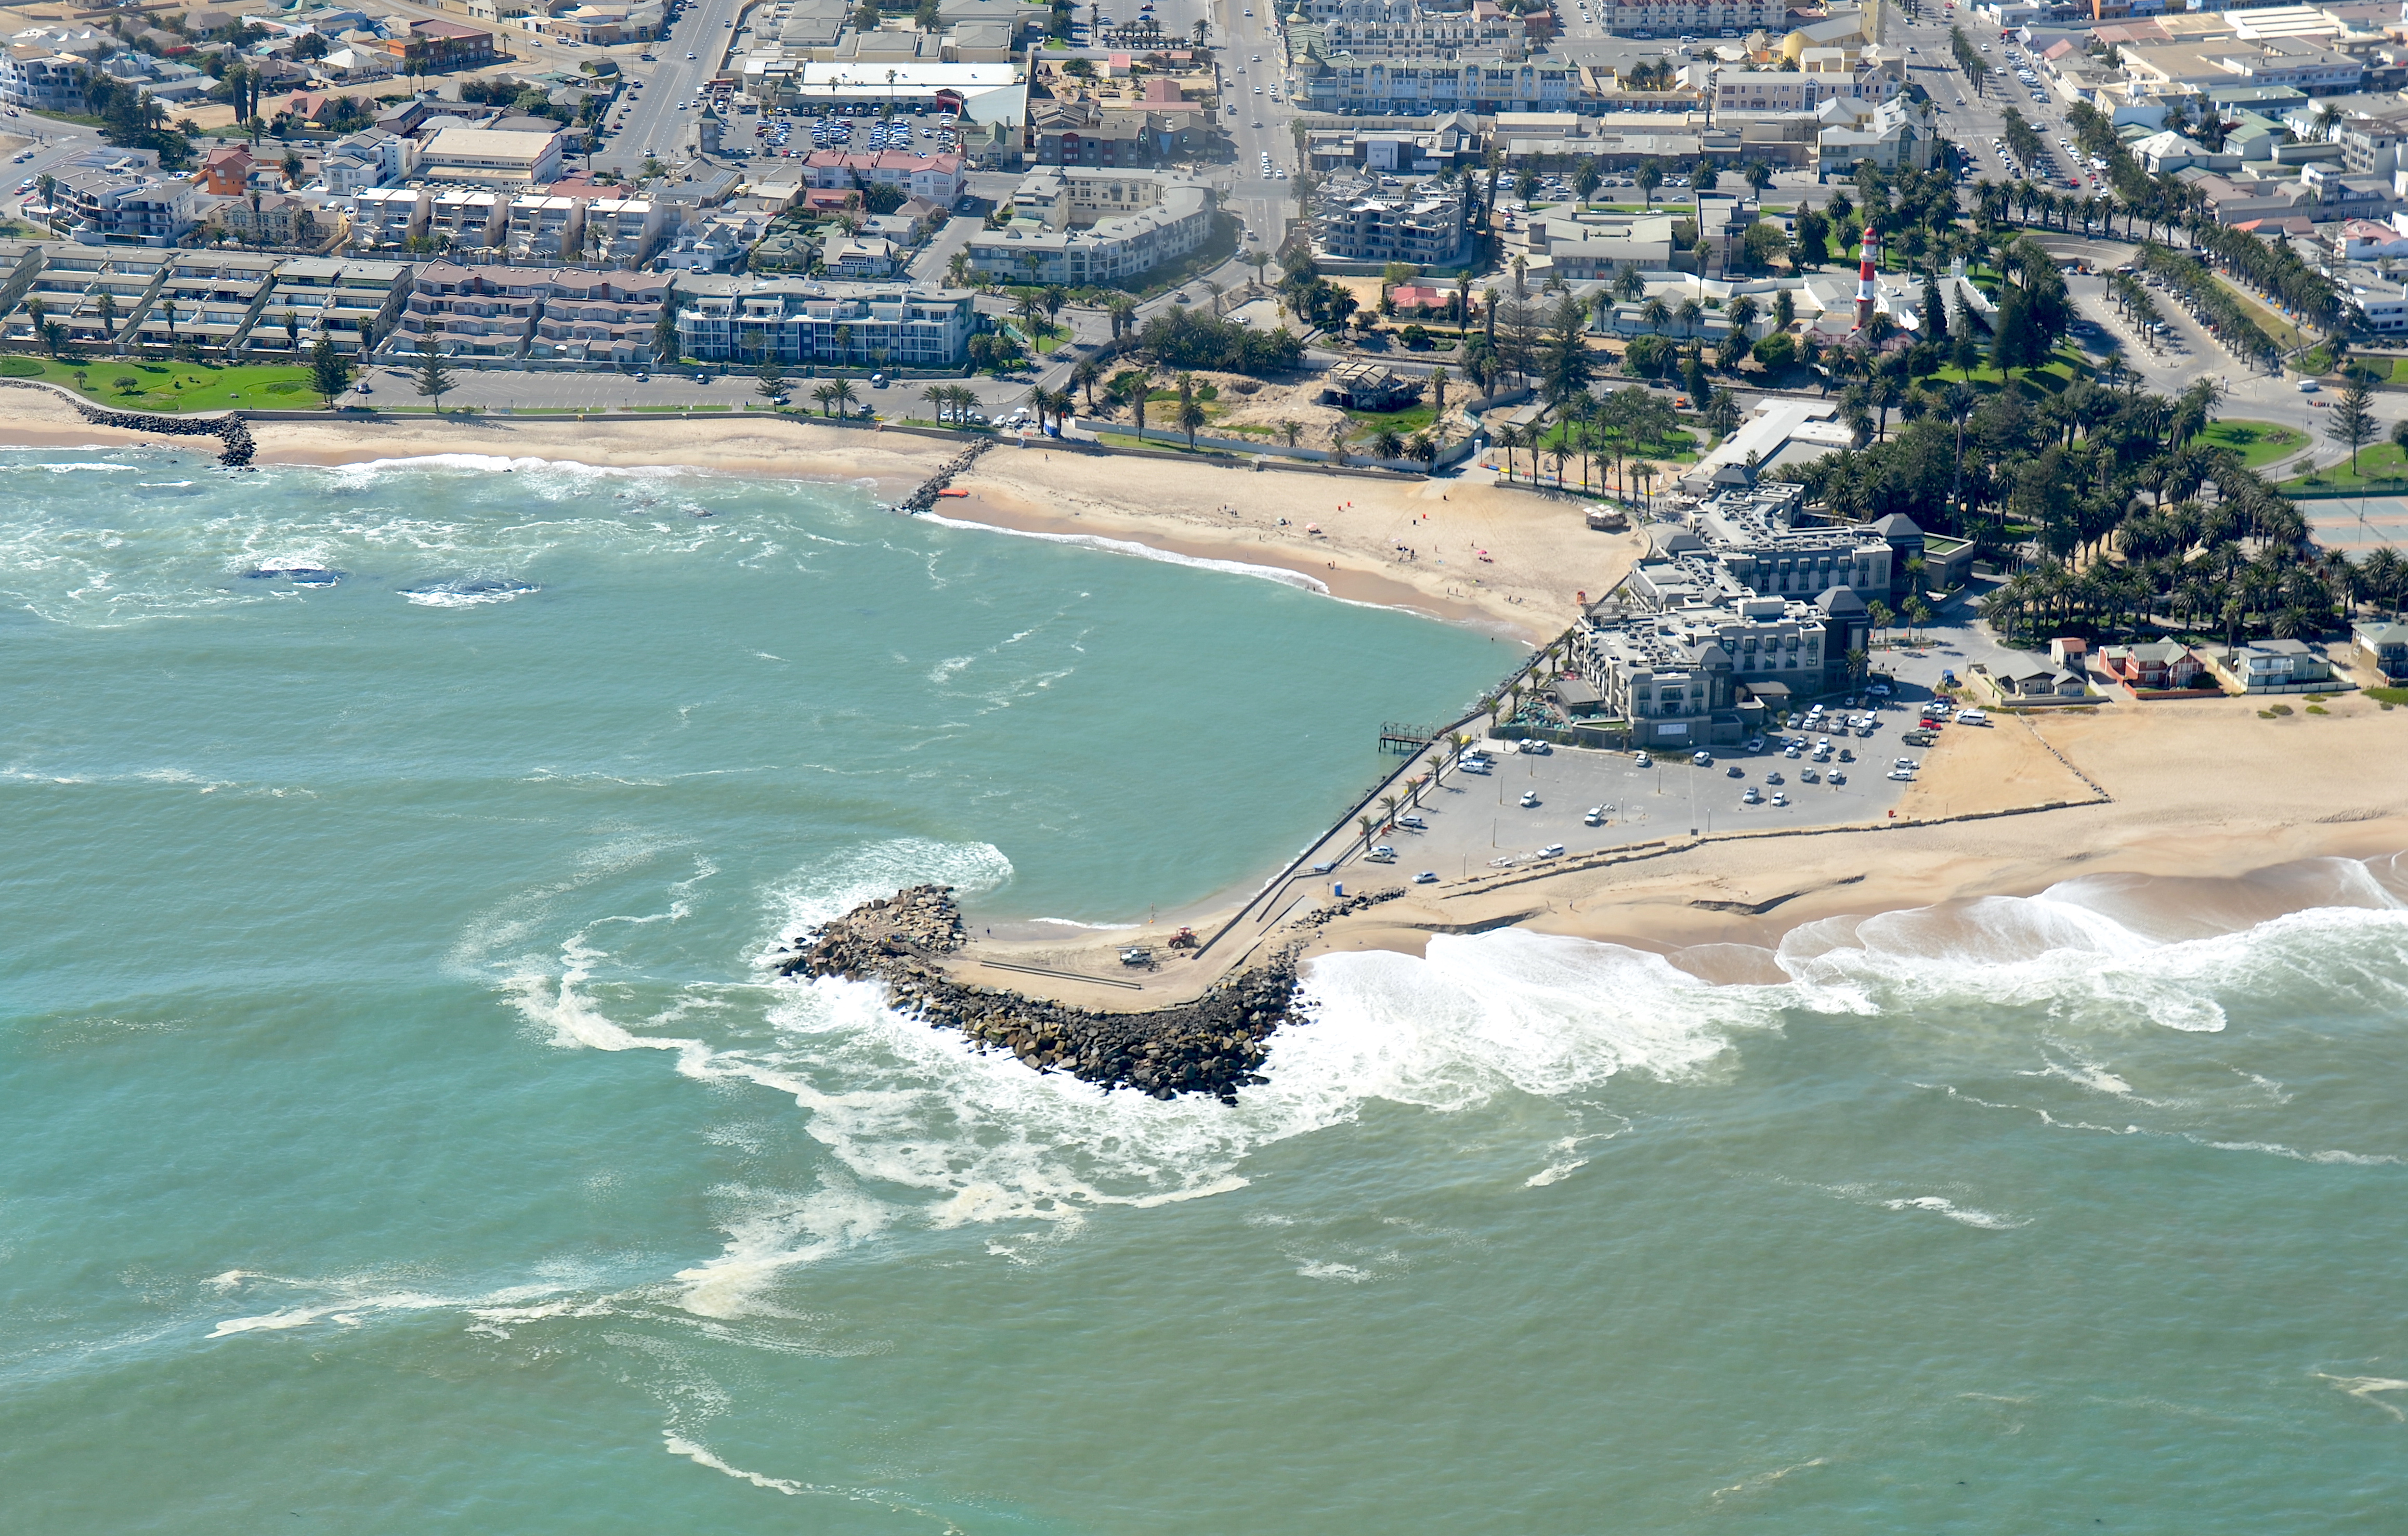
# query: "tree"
665,331
772,385
1651,176
2350,423
434,381
330,371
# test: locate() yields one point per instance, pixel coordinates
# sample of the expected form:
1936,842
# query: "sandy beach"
2202,789
2206,794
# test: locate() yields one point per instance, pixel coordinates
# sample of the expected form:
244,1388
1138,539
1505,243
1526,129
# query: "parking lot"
1473,822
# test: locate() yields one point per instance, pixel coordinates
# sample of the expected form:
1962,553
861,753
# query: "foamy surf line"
1145,551
497,463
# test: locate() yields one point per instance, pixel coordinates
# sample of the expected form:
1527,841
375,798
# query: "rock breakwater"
924,497
231,431
1211,1045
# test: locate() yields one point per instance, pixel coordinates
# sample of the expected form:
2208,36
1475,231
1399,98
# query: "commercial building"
443,45
794,323
1079,226
1342,82
506,159
1747,603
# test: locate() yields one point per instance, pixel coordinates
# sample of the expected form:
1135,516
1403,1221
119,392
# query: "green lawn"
172,386
2259,443
2377,463
1408,421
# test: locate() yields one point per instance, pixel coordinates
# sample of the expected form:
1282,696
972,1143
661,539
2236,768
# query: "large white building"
794,322
1701,18
1077,226
507,159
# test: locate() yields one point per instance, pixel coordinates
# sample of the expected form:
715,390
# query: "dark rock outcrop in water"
1212,1045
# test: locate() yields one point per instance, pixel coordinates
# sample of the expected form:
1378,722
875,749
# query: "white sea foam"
1964,1216
1143,551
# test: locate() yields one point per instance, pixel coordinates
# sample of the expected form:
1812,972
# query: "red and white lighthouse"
1865,265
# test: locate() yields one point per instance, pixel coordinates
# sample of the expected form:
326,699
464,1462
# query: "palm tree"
841,392
826,395
1340,432
1690,314
1291,431
1085,376
1365,825
1387,811
1387,443
1191,416
940,399
1656,314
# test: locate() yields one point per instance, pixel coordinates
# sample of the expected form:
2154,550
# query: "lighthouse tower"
1865,265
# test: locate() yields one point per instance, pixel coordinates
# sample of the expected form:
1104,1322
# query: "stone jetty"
924,497
232,432
1211,1045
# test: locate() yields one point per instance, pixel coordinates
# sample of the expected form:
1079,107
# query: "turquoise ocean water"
401,1133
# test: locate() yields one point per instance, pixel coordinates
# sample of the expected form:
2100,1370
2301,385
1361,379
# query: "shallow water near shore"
405,1135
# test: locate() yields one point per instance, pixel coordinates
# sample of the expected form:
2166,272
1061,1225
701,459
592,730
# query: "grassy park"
141,384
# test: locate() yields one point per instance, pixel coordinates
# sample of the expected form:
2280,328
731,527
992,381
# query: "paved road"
657,116
53,144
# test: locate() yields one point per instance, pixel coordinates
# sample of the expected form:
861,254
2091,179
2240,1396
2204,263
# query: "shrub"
1777,351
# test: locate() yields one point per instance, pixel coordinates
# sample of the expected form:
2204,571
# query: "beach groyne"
1213,1044
232,432
925,498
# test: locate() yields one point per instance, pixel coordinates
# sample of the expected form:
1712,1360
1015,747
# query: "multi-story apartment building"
1342,82
385,218
207,298
470,311
1424,224
468,220
1799,91
599,317
546,231
90,294
40,78
352,304
113,207
624,231
371,159
1076,226
1678,17
794,322
279,220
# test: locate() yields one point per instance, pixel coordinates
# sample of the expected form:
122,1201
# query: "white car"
1780,797
1643,760
1904,776
1529,800
1427,877
1552,850
1971,717
1595,816
1907,763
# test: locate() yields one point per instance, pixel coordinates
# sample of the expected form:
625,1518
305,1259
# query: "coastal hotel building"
1741,606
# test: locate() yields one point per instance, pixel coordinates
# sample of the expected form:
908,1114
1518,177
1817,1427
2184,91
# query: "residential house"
2154,666
2271,667
2382,644
226,172
386,218
279,220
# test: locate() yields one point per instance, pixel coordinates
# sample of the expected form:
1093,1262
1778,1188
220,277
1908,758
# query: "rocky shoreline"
229,429
925,498
1212,1045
